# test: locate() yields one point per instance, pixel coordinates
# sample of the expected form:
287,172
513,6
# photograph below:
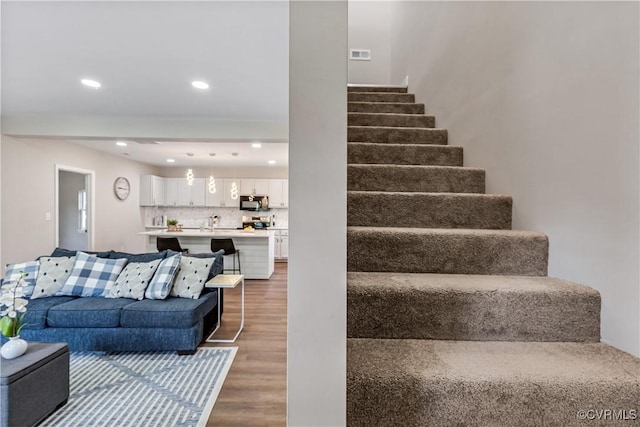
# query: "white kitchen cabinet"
278,193
152,190
222,196
215,199
254,186
171,191
229,202
281,248
191,195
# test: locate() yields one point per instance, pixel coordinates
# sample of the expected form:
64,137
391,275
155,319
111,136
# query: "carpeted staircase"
451,319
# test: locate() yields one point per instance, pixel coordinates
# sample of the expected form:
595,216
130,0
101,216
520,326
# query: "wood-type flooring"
254,392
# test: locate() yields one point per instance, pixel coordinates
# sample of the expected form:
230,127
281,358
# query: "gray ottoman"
35,384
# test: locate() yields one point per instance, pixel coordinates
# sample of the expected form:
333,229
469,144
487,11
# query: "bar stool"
163,243
229,249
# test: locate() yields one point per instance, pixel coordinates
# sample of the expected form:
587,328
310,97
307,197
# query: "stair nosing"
385,165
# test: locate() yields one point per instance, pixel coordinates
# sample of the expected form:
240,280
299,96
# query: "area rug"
143,389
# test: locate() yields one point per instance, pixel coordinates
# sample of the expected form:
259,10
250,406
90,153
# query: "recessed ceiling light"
256,145
171,161
272,162
91,83
234,154
121,143
199,84
212,154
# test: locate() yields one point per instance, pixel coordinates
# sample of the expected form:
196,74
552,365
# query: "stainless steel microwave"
254,203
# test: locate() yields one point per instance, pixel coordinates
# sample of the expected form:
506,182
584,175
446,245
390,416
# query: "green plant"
172,222
12,298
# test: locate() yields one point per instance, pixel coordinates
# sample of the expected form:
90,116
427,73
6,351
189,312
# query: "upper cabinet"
278,193
191,195
254,186
152,190
223,195
158,191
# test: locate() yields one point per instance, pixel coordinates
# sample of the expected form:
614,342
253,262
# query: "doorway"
74,190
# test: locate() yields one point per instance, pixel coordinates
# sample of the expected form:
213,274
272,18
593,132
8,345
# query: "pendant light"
234,185
190,176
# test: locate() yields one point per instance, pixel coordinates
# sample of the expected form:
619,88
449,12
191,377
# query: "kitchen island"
256,247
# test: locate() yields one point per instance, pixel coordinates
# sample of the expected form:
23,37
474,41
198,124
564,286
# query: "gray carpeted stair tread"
448,251
406,98
470,307
465,383
385,107
405,178
404,154
366,88
435,210
400,135
389,119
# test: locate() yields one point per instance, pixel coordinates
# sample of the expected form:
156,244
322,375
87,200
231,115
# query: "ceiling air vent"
360,54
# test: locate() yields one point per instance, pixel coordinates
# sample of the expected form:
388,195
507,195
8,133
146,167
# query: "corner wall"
317,289
544,95
28,170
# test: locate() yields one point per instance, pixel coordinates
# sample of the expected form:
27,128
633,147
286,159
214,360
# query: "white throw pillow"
54,272
133,280
191,277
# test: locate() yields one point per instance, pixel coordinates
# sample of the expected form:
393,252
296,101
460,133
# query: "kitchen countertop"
217,232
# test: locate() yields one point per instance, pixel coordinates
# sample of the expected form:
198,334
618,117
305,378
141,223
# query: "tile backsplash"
191,217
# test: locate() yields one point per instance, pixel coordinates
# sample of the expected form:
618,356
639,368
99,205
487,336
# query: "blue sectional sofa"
123,324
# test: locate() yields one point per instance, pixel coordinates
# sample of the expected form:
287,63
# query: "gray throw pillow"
191,277
53,273
132,282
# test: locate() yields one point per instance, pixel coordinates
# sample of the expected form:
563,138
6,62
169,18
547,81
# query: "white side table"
226,281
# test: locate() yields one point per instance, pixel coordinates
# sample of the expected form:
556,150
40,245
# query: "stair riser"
409,402
445,253
352,89
385,107
480,316
393,154
391,135
399,120
428,210
415,179
404,98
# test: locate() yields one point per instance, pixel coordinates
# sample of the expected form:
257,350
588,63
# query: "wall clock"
121,187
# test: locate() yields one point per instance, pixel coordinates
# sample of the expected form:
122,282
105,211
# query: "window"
82,211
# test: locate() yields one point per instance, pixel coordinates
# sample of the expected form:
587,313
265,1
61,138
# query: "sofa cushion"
30,268
133,280
169,313
54,272
191,277
66,252
88,313
38,311
160,284
92,276
147,257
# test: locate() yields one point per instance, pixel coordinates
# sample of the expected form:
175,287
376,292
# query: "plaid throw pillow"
30,267
160,285
92,276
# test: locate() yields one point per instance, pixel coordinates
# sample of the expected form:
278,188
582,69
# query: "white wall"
316,356
369,28
28,169
544,95
69,184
